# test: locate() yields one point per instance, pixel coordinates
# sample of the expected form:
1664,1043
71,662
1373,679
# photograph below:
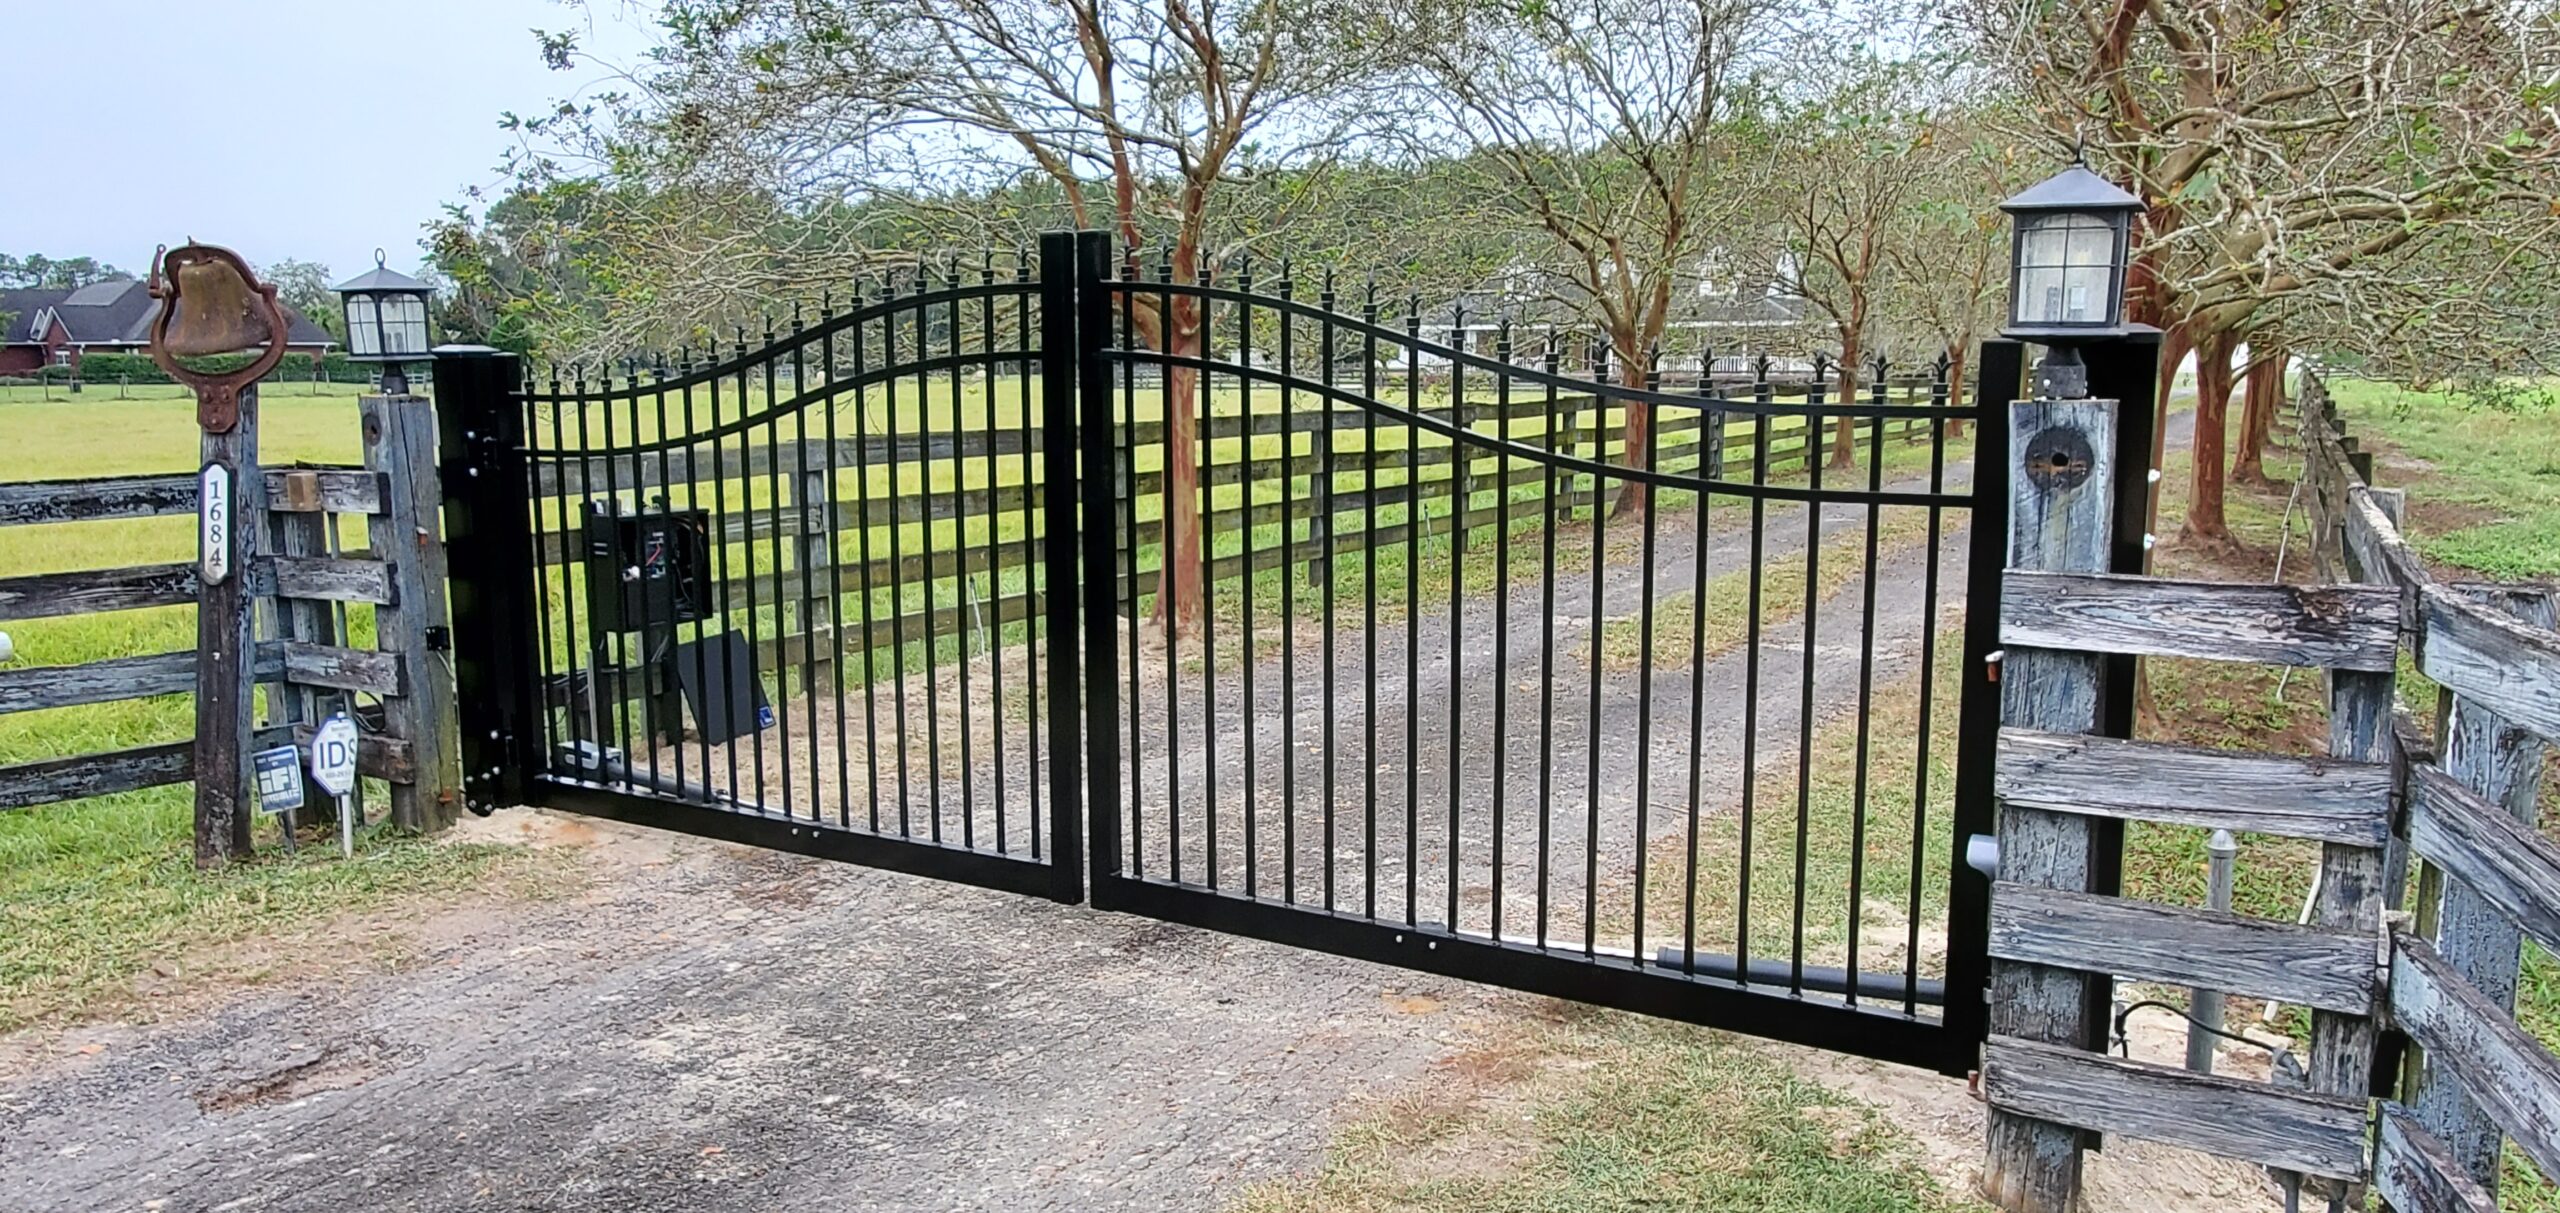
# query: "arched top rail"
787,344
1398,415
1361,327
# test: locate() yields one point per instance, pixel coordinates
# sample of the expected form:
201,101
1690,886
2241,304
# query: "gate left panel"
789,590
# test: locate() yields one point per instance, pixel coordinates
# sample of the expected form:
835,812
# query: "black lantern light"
2066,271
386,321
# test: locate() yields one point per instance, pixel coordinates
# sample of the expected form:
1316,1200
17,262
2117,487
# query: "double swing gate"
1468,652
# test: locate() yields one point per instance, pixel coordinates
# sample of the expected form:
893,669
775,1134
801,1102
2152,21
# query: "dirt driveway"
713,1028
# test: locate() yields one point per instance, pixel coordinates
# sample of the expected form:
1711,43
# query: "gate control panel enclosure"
649,570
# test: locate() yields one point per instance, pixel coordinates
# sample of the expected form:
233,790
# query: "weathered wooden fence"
306,578
2487,878
2426,1133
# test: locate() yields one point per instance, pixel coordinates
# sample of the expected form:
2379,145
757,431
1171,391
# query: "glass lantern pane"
2092,243
2040,296
363,327
2043,240
2085,294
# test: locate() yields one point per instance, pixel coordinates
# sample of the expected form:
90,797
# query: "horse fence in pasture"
345,610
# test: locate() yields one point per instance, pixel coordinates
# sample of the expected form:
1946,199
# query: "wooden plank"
2486,754
2343,627
2511,866
2251,1121
2300,797
2061,518
2506,1072
90,591
27,688
408,533
339,490
2216,950
332,579
2511,667
226,640
57,779
2414,1173
344,669
87,500
2371,533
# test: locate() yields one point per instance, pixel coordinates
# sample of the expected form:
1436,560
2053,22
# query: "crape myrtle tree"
774,138
2287,151
1853,161
1614,132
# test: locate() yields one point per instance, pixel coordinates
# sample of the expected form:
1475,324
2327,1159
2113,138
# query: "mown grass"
1606,1111
2484,483
96,893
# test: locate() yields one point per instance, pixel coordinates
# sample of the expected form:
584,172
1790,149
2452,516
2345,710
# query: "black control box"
647,571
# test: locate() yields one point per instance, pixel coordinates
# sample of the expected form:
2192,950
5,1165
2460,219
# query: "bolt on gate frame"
1453,659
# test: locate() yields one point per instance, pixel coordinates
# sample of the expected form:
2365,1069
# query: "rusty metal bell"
217,311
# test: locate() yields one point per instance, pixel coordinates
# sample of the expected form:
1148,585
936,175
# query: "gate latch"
1991,664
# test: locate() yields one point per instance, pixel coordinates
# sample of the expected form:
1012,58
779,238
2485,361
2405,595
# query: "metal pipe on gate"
1818,979
2204,1020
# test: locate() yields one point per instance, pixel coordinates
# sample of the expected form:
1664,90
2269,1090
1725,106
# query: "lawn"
95,894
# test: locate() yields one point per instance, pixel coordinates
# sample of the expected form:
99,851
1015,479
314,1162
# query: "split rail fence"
2422,1126
317,592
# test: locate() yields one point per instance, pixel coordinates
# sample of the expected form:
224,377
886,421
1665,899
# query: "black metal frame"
557,691
1699,988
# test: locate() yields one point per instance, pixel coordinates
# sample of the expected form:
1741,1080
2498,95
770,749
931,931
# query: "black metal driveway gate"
1472,653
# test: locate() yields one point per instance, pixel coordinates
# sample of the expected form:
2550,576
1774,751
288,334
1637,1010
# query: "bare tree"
1851,164
1603,126
1135,116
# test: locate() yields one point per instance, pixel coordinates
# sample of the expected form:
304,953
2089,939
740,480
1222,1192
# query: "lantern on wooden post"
386,313
2073,236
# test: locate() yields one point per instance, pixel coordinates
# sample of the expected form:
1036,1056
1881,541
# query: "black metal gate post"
1059,553
2002,367
489,547
1104,483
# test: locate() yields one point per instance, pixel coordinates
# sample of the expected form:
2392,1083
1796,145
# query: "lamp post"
2066,272
386,314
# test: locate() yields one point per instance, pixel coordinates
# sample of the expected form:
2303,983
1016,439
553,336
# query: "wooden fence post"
2061,519
2503,763
408,536
226,637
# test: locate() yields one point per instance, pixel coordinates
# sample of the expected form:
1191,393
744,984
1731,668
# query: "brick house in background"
54,326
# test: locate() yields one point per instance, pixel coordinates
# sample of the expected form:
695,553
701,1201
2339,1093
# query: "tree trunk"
1634,496
1844,434
1958,361
1179,596
2205,526
2263,395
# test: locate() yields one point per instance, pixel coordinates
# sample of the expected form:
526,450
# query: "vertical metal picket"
1107,478
1060,557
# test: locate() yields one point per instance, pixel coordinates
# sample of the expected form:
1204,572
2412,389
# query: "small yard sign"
333,755
279,776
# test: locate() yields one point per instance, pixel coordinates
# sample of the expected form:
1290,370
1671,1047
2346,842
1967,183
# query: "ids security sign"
333,755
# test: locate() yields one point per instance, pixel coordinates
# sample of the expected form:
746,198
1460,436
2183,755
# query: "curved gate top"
1451,640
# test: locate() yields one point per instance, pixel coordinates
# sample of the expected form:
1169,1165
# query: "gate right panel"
1453,641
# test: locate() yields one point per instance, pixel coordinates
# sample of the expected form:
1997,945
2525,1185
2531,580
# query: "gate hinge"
1991,664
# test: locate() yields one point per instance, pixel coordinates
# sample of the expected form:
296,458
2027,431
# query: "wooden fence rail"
304,577
2487,878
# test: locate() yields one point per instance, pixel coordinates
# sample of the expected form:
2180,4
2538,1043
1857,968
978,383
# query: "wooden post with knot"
2061,519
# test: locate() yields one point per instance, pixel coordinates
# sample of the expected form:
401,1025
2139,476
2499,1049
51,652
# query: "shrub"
104,367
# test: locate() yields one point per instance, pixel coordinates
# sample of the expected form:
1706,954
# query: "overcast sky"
314,129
